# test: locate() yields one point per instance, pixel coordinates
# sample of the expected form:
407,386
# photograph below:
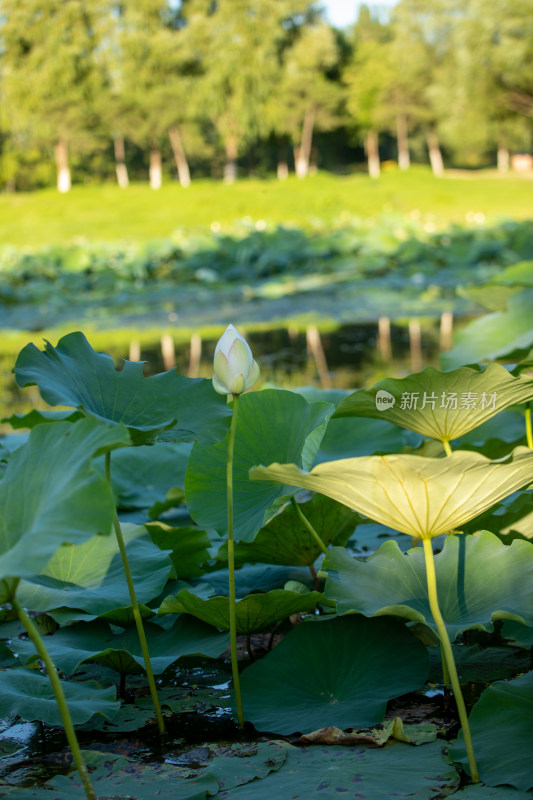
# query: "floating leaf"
502,733
125,780
479,579
341,672
217,767
51,494
271,425
358,772
235,764
441,405
29,694
256,612
423,497
91,577
286,540
73,374
479,791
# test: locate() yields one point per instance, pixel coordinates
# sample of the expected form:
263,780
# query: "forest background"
97,90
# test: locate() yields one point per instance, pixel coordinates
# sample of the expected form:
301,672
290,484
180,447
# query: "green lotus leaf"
522,636
189,547
423,497
478,791
213,767
251,578
91,577
347,437
255,613
125,780
479,579
341,673
441,405
501,334
94,641
37,417
520,274
286,540
271,425
143,476
30,695
365,773
73,374
51,494
502,734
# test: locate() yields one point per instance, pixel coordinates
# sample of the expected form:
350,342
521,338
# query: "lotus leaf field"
372,552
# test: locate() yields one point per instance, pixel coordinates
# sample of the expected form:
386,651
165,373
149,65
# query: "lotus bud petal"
234,365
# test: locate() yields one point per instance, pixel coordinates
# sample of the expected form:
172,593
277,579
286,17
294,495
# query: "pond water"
346,357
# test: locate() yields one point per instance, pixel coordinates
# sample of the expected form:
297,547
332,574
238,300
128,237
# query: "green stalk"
231,566
135,608
447,447
70,733
445,677
448,656
529,430
309,527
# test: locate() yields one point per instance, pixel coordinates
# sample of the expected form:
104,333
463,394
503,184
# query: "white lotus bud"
234,365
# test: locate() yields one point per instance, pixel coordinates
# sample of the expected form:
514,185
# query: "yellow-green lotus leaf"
423,497
441,405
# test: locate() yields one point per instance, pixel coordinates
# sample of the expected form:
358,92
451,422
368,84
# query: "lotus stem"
231,566
135,608
309,527
70,733
448,661
445,677
529,429
447,448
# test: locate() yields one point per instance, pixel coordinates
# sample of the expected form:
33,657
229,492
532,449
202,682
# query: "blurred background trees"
94,90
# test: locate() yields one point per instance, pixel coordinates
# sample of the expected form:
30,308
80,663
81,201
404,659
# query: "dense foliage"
360,628
101,86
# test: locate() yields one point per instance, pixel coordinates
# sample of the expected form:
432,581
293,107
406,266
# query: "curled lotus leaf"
73,374
423,497
441,405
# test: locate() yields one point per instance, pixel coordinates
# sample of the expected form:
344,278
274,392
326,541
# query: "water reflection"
346,357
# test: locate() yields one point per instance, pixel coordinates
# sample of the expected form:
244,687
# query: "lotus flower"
234,365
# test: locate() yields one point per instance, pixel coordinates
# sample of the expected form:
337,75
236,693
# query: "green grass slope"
107,213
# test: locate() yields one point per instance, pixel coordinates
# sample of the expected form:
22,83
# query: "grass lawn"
106,213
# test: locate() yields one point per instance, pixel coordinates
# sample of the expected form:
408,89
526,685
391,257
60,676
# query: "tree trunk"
120,162
435,155
404,161
283,166
372,153
63,169
303,152
230,167
156,171
503,157
176,142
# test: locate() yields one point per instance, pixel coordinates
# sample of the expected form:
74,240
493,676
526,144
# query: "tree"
367,77
307,96
239,43
49,75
